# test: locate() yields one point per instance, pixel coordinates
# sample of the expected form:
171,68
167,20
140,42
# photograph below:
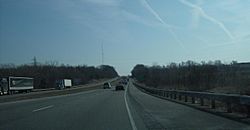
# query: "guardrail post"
229,107
213,104
193,100
180,97
202,101
248,110
186,98
227,99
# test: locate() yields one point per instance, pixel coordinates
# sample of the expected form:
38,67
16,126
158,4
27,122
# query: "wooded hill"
196,76
46,75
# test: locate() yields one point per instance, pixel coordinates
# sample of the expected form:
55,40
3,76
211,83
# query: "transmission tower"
34,61
102,55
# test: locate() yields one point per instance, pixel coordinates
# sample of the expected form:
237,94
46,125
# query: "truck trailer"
63,83
11,85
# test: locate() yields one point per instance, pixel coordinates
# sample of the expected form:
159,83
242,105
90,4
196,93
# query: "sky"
130,31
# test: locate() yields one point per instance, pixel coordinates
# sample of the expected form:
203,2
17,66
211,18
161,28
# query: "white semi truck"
11,85
63,83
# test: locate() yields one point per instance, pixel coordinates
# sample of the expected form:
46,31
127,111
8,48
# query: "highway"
107,109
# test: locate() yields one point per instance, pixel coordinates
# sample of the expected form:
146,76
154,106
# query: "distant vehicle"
11,85
63,83
123,82
119,87
106,85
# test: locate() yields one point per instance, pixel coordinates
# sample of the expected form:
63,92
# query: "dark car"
106,85
119,87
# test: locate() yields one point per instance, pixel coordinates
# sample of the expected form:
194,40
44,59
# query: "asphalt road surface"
107,109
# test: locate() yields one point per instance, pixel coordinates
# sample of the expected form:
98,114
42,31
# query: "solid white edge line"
132,122
43,108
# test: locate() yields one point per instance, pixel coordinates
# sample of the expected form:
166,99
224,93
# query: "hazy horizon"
131,31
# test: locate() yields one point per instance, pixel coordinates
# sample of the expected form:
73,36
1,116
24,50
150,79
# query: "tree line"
46,75
195,76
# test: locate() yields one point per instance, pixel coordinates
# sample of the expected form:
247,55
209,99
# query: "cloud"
158,17
155,14
195,16
195,19
136,18
238,40
202,13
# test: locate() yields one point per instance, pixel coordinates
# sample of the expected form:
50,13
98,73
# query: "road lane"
99,109
106,109
157,113
12,111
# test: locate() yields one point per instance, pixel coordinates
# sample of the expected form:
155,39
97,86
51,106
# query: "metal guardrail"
227,99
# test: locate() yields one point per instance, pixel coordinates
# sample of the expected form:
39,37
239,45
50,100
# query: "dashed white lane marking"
42,108
132,122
